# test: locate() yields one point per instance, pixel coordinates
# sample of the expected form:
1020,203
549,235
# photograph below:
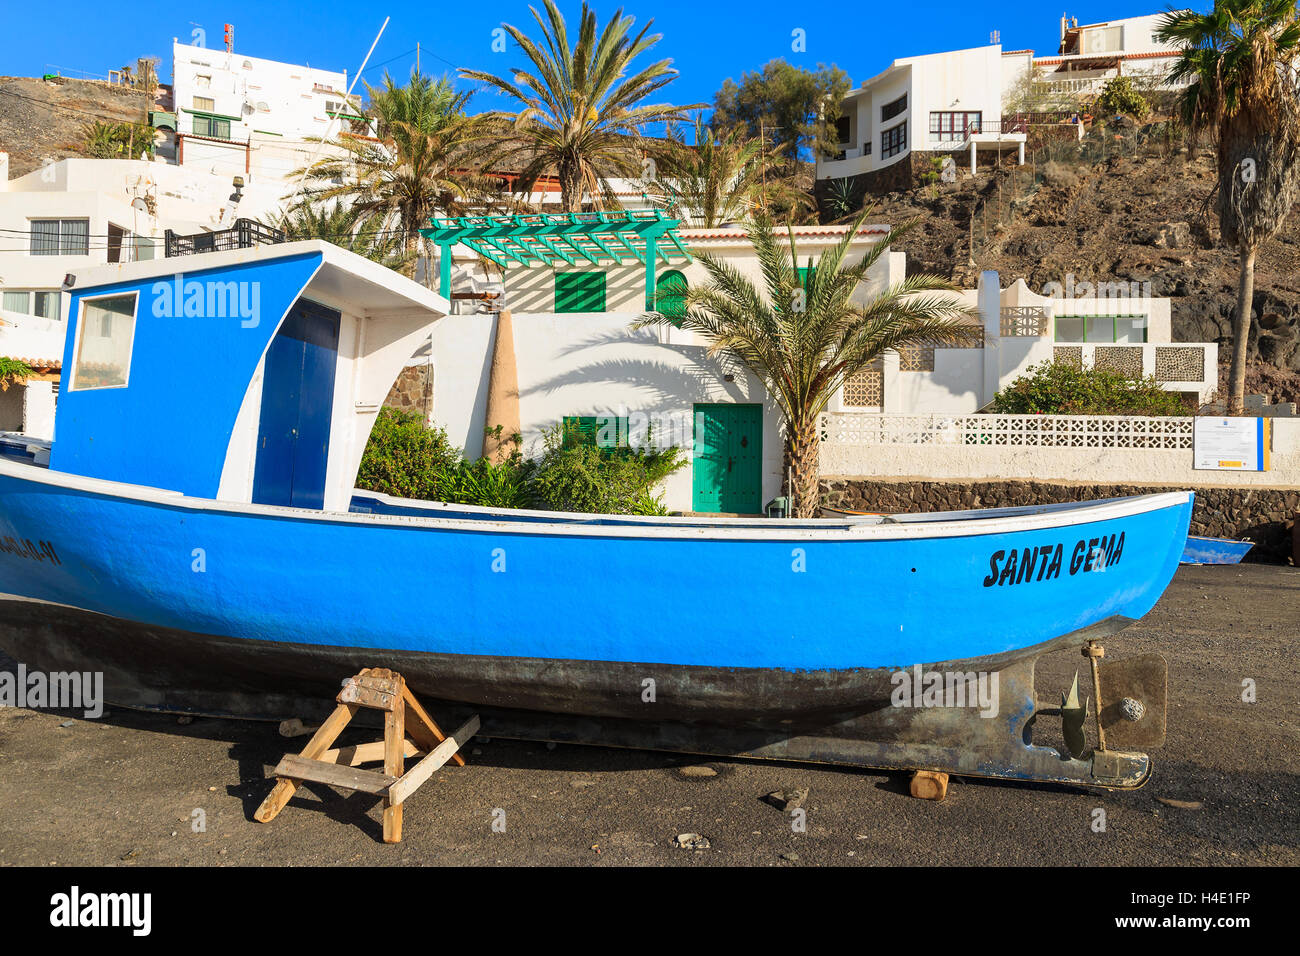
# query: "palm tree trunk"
803,455
1241,332
570,187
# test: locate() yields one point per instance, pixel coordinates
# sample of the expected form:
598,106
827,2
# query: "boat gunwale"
582,525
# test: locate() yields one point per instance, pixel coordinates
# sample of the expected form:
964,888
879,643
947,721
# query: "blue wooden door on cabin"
297,401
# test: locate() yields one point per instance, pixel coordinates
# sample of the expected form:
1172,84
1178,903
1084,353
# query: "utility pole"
417,56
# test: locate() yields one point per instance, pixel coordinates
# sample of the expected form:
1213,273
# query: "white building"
578,359
78,212
239,115
957,103
942,103
1091,54
1116,328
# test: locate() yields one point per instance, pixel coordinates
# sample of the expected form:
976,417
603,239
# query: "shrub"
1119,96
12,371
1052,388
406,459
570,476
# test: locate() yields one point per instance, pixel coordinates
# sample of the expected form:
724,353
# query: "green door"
727,472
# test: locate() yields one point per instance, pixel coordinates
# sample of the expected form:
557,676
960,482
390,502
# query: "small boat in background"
1214,550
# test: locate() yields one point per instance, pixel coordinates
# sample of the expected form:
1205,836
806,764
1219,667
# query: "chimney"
4,172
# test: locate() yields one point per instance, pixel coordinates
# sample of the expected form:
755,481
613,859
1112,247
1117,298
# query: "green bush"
1120,96
1059,389
570,476
12,370
408,460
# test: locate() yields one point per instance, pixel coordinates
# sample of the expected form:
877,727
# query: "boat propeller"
1074,713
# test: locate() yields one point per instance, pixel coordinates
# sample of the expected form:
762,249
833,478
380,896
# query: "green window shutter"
579,292
597,431
806,273
670,295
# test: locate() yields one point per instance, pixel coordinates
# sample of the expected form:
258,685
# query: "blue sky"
708,42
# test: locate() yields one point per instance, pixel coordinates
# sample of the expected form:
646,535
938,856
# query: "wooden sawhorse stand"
376,689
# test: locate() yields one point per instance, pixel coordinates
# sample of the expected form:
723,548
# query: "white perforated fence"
1070,448
1048,431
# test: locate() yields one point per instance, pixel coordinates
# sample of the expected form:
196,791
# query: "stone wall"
897,177
1266,516
413,390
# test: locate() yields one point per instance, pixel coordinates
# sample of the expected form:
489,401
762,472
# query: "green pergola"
646,237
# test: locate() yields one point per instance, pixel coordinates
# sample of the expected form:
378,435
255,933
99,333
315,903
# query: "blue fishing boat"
229,567
1200,550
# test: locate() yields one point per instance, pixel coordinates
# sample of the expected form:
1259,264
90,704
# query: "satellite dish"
139,204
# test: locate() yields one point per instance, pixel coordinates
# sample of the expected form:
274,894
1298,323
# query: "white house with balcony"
937,104
240,115
1092,53
955,104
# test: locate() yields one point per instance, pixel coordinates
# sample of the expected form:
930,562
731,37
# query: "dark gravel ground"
123,790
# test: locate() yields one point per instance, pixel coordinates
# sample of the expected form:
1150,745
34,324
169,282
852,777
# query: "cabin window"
596,431
205,103
105,334
579,292
60,237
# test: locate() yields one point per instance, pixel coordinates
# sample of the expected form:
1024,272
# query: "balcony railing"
245,234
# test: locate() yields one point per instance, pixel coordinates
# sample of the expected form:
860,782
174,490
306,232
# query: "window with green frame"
1101,329
579,292
212,126
670,295
598,431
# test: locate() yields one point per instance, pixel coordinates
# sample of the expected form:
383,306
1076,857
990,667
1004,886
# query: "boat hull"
769,640
793,599
845,718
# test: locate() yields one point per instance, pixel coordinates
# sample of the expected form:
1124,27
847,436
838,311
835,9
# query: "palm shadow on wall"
700,377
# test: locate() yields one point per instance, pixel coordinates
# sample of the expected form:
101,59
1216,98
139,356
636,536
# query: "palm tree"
579,114
802,337
719,178
427,159
1240,59
345,227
